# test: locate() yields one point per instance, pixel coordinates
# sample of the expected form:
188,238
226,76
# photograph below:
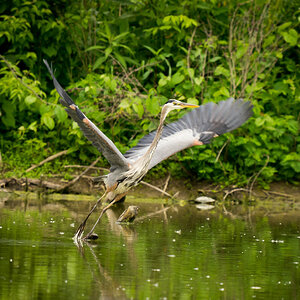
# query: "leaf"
222,91
96,47
49,51
269,40
241,51
48,121
9,120
292,160
284,26
177,78
214,59
30,99
121,59
152,105
193,101
291,37
107,51
139,109
60,113
99,62
163,81
220,70
33,126
259,121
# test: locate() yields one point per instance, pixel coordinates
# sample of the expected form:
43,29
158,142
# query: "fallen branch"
91,168
280,194
156,188
47,160
42,183
27,181
235,190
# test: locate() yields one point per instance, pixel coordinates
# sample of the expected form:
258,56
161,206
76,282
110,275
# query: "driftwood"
28,181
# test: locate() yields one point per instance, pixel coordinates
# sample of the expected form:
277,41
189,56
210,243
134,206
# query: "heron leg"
119,197
79,233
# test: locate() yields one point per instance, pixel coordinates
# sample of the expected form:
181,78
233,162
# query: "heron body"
195,128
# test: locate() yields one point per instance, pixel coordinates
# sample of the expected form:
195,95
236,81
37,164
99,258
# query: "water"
181,252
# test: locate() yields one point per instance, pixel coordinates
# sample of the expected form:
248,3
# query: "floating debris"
205,206
128,215
205,200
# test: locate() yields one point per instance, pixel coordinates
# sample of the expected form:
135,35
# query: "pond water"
171,251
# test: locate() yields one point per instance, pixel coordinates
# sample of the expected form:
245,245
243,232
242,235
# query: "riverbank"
180,189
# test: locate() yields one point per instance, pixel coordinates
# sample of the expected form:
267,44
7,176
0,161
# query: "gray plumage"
89,129
195,128
201,124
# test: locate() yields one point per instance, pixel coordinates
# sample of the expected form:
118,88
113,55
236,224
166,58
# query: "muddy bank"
156,188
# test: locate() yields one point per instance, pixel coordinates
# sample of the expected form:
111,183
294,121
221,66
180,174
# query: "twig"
156,188
47,160
258,173
224,145
91,168
189,54
152,214
234,190
167,182
79,176
143,67
280,194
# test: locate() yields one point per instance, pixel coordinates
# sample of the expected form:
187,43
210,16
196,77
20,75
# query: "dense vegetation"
120,60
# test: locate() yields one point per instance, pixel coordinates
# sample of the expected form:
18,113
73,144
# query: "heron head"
176,104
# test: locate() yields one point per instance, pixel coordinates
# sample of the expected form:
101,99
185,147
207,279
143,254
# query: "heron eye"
121,180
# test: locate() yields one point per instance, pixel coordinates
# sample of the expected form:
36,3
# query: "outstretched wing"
197,127
89,129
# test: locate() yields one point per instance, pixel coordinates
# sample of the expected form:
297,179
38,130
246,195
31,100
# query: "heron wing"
89,129
197,127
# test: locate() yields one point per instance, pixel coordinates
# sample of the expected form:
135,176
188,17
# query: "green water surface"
180,252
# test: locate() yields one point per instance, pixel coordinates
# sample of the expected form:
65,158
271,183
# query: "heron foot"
79,233
91,236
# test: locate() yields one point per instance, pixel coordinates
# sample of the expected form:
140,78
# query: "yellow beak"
188,105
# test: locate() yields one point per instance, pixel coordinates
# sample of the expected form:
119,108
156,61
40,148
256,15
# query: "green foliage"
122,61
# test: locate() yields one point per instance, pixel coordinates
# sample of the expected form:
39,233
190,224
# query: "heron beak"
188,105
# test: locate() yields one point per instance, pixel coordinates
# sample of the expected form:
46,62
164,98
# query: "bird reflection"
108,286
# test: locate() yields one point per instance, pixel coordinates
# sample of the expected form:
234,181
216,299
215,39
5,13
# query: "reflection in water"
233,252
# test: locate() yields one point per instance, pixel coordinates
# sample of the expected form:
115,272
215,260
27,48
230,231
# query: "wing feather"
89,129
197,127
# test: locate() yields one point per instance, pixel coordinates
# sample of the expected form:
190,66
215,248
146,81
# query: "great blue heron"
197,127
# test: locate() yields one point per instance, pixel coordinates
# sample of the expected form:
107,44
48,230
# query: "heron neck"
146,158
